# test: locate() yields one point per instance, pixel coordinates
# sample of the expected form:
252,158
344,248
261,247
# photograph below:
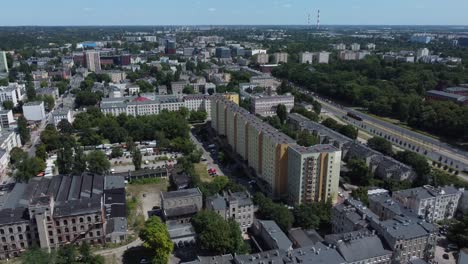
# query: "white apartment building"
267,105
434,204
3,62
61,114
6,118
281,57
263,58
34,111
340,46
306,57
355,47
265,81
322,57
14,92
313,173
93,61
422,53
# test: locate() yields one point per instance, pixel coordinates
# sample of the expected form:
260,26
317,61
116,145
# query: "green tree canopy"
156,237
381,144
97,162
217,235
282,113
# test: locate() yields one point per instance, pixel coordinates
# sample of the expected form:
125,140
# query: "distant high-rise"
170,46
306,57
281,57
93,61
3,62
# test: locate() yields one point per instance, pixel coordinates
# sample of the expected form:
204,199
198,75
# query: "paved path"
119,252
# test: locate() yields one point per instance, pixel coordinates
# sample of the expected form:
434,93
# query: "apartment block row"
284,169
314,57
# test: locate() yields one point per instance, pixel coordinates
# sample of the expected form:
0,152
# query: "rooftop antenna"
318,19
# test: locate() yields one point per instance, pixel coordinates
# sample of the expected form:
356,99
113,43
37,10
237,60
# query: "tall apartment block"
93,61
313,173
262,58
281,57
3,62
322,57
266,150
306,57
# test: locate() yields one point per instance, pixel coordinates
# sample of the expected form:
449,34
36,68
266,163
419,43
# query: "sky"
233,12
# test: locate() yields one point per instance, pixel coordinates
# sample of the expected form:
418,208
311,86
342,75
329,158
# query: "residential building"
179,206
271,235
371,46
349,216
432,203
52,212
340,46
304,238
34,111
178,87
116,76
265,81
238,206
93,61
267,105
306,57
280,57
322,57
182,235
362,246
3,62
150,38
14,92
263,58
355,47
8,140
422,53
62,114
384,206
421,38
223,53
6,119
408,237
313,173
457,90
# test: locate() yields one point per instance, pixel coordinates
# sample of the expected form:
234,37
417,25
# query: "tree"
79,162
28,168
65,127
273,211
306,139
23,130
97,162
458,231
36,255
188,89
282,112
359,173
8,105
137,158
30,91
317,107
381,144
217,235
41,152
330,123
349,131
116,152
418,163
49,102
361,195
305,217
17,155
65,160
156,237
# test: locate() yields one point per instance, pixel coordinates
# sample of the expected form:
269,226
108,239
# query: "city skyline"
243,12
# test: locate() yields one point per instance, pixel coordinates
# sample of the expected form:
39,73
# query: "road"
404,138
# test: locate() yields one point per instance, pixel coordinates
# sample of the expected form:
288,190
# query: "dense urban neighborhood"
234,144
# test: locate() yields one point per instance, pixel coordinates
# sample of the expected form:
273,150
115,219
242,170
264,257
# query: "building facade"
313,173
93,61
267,105
34,111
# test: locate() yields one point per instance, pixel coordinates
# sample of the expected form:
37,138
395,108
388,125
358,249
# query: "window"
81,219
73,221
2,231
12,238
65,222
20,237
74,229
10,230
19,228
89,218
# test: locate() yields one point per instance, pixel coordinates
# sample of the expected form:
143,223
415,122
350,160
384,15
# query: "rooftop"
181,193
273,230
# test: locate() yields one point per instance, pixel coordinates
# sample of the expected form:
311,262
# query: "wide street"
432,148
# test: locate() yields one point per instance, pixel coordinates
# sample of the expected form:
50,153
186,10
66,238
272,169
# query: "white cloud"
212,9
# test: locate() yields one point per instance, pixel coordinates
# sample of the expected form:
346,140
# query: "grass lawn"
202,170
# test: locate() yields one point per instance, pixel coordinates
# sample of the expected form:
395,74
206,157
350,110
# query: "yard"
202,171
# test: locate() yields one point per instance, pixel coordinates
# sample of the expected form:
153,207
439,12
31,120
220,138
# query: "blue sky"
215,12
